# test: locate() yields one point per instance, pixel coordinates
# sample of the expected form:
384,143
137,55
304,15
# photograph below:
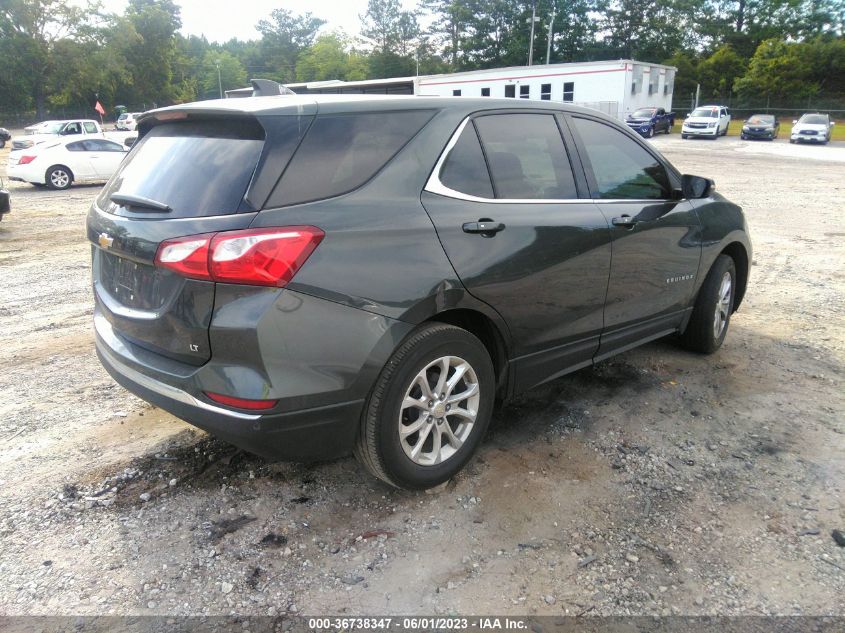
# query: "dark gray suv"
307,276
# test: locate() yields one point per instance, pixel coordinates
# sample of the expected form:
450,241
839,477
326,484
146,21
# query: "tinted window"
569,91
510,91
196,167
465,169
78,146
622,168
343,151
524,92
456,93
526,156
485,92
100,145
546,92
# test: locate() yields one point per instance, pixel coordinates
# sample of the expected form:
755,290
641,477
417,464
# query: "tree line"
64,54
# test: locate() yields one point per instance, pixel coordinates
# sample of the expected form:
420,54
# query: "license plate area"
132,284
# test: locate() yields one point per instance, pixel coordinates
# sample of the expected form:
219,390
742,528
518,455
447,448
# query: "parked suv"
811,128
707,121
311,275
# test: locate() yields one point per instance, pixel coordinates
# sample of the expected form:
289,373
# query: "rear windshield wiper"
128,200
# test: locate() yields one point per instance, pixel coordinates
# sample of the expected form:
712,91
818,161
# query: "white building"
614,87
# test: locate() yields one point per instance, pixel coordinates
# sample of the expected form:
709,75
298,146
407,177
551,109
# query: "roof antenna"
268,88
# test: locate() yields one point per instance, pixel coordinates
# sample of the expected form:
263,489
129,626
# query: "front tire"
429,409
684,136
2,143
650,132
711,314
59,177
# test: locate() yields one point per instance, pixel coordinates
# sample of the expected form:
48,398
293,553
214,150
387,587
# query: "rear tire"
408,438
711,314
59,177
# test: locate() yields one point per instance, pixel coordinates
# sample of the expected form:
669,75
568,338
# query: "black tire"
684,136
379,446
669,129
650,132
59,177
2,143
700,335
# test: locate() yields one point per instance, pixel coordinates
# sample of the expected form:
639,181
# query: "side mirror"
129,141
696,187
794,121
832,123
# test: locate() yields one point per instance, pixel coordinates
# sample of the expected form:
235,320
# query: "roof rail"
260,88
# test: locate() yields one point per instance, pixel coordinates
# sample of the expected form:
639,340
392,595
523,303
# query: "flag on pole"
99,108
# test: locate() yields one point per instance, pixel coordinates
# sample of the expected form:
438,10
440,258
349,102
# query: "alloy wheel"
723,305
439,410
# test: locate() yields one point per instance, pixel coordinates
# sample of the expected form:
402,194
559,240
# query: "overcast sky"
221,20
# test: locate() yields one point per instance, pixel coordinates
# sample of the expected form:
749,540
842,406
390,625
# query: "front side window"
72,128
526,156
623,169
569,91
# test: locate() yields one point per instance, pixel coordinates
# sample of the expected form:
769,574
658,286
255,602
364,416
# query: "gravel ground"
656,483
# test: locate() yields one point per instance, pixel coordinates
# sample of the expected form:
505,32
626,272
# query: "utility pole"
697,93
551,33
531,39
219,79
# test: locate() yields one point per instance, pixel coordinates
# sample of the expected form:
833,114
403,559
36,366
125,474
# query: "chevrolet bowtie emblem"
105,241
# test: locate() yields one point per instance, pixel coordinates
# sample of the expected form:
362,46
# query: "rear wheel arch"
487,331
58,166
736,251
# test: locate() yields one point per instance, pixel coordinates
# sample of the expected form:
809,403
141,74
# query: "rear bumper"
319,370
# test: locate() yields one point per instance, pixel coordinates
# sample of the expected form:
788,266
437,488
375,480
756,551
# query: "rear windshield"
197,168
341,152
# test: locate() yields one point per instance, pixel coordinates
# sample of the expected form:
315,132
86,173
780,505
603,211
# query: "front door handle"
624,220
486,228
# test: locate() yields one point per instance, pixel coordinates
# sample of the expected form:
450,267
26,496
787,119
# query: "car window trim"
434,185
592,183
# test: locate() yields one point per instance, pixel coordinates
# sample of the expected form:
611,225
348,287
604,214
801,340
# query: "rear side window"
464,169
198,168
526,156
622,168
341,152
90,128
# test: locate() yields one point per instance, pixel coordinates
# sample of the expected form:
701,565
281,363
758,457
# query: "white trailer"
614,87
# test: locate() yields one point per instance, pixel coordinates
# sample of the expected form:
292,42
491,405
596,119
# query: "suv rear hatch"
187,176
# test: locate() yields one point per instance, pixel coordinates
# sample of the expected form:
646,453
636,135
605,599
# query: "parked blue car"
648,121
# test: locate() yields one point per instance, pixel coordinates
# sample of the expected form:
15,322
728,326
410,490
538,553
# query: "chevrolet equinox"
305,276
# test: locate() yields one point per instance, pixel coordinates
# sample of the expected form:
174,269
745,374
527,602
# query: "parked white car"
127,121
811,128
710,121
37,128
60,163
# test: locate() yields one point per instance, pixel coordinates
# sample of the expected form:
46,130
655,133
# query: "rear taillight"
25,160
260,257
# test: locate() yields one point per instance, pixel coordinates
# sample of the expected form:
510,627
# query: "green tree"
231,73
329,58
718,72
779,72
153,55
283,38
448,27
686,77
30,30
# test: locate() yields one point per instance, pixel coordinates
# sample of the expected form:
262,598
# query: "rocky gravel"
657,483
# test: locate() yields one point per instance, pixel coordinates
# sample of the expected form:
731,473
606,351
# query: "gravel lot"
657,483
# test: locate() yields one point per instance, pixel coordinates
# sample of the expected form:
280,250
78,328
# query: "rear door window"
341,152
526,156
198,168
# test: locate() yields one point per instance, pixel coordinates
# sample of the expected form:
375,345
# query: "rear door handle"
484,227
625,220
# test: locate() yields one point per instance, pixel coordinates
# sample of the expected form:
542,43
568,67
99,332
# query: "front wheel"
2,143
684,136
59,177
711,314
650,132
429,409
